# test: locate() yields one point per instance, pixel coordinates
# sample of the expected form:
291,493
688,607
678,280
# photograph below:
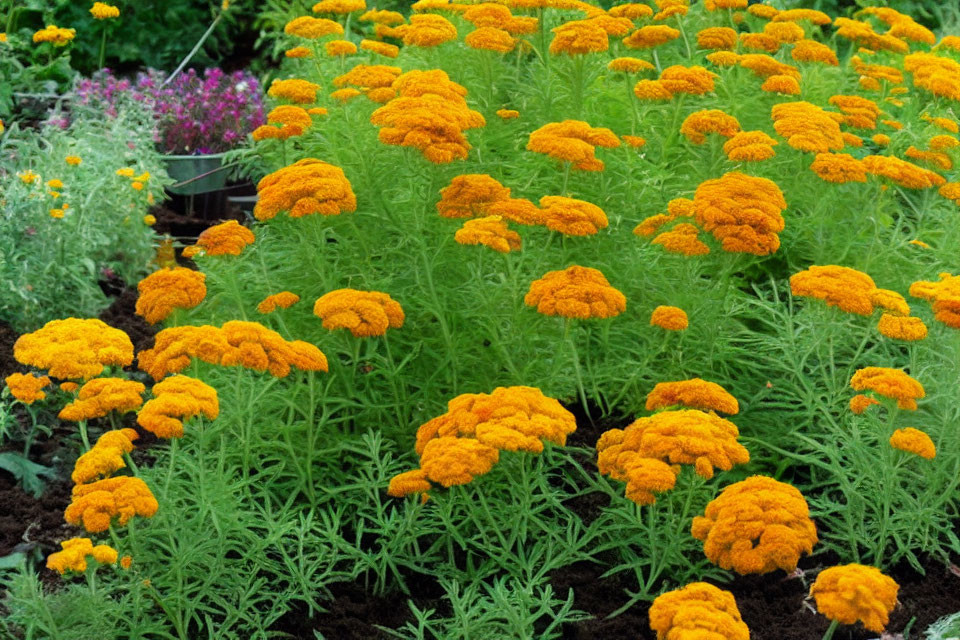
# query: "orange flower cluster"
578,37
294,90
951,191
943,123
877,72
489,14
312,28
645,476
709,121
290,121
945,296
683,239
100,396
226,238
466,441
902,327
429,114
938,75
237,343
370,78
364,313
807,127
863,34
714,38
382,48
631,11
105,457
906,174
784,32
860,113
723,58
694,394
575,292
651,90
786,85
629,65
938,158
74,348
759,42
860,403
470,195
839,168
758,525
697,611
750,146
428,30
174,400
669,318
307,187
73,556
572,217
490,39
651,36
380,16
336,48
914,441
686,436
848,289
282,300
95,504
339,6
742,212
27,387
490,231
813,51
764,66
167,289
854,592
890,383
573,141
694,80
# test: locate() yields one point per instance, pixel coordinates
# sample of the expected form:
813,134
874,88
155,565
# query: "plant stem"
833,627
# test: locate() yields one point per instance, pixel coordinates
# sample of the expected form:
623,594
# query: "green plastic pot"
184,168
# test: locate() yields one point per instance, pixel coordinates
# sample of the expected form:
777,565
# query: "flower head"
698,610
490,231
651,36
74,348
294,90
364,313
750,146
758,525
839,168
307,187
944,295
27,387
572,217
669,318
854,592
699,123
102,11
105,457
578,37
914,441
575,292
890,383
491,39
95,504
742,212
226,238
282,300
55,35
100,396
74,553
693,393
693,80
167,289
573,141
176,399
902,327
312,28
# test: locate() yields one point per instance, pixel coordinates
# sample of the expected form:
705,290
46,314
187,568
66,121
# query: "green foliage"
49,267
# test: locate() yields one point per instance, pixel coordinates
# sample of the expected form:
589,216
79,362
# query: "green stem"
103,48
833,627
83,434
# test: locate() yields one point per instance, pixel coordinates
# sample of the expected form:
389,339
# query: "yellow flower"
629,65
125,172
167,289
149,220
73,160
298,52
55,35
853,593
312,28
508,114
945,296
382,48
708,121
27,387
28,177
226,238
914,441
102,11
572,217
717,38
105,457
579,37
694,394
364,313
174,400
758,525
97,503
651,36
306,187
339,6
56,213
295,90
575,292
73,556
491,39
902,327
813,51
490,231
100,396
340,48
283,300
74,348
890,383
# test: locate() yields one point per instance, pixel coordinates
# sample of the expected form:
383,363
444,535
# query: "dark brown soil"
121,314
33,525
7,364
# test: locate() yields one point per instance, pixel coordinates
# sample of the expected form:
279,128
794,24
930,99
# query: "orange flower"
174,400
167,289
914,441
652,90
902,327
906,174
296,52
860,403
634,141
383,17
364,313
860,113
573,141
742,212
312,28
307,187
763,11
575,292
708,121
336,48
629,65
283,300
848,289
693,80
717,38
454,461
491,39
695,394
698,610
427,31
470,195
632,11
683,239
27,387
759,42
764,66
787,85
839,168
813,51
516,210
97,503
572,217
784,32
382,48
750,146
758,525
339,6
644,476
807,127
669,318
508,114
237,343
651,36
723,58
294,90
490,231
945,296
100,396
226,238
855,593
890,383
798,15
74,348
73,556
688,436
105,457
368,76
